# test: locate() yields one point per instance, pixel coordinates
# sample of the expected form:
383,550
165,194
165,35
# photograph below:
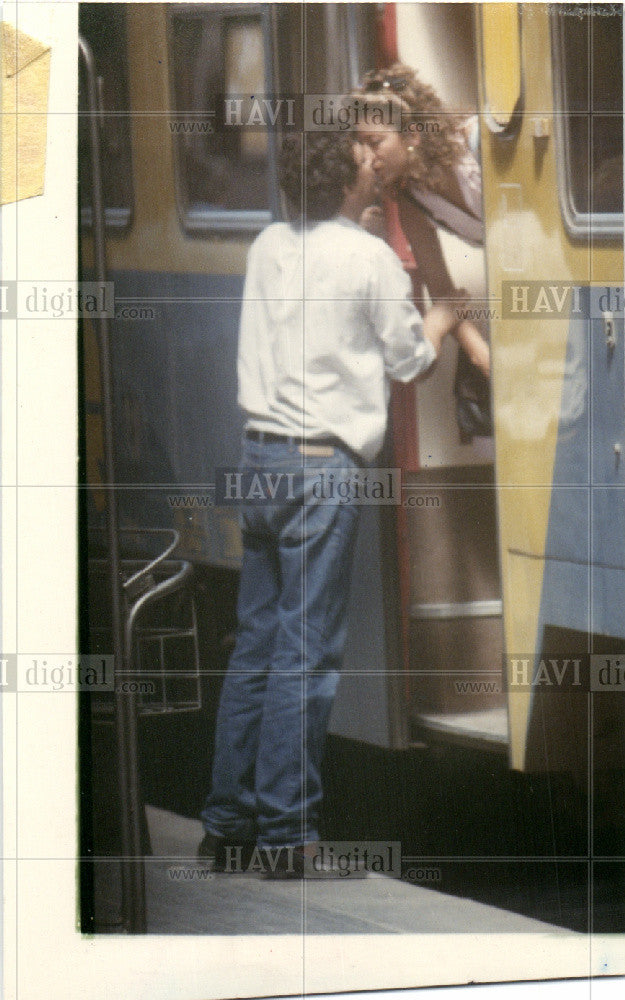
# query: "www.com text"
477,313
192,128
477,687
135,687
416,500
181,874
421,873
410,501
135,312
191,501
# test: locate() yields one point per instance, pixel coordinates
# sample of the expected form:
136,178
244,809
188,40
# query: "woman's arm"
473,344
426,247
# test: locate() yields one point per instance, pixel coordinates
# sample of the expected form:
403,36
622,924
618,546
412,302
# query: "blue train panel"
584,579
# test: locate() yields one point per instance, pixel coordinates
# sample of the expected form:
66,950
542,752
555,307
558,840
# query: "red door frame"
403,408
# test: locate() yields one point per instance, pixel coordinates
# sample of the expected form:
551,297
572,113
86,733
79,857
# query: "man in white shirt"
327,321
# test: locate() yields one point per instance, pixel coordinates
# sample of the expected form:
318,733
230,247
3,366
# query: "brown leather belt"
312,446
268,437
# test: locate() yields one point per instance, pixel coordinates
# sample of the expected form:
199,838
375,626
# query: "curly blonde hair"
441,143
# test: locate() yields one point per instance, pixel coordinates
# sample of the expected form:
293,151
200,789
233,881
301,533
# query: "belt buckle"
316,450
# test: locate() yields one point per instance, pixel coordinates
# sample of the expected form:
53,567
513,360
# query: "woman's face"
390,154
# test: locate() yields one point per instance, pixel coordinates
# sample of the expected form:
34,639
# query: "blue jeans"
283,674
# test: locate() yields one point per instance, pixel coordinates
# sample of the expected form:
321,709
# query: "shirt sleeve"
396,320
247,351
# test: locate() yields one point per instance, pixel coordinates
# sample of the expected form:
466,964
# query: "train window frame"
578,225
118,219
509,129
200,222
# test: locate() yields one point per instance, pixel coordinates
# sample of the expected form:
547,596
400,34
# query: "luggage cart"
159,673
160,625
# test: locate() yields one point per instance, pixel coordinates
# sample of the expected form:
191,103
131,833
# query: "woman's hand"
372,219
472,342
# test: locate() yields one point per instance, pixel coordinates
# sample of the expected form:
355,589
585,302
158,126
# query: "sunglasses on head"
374,82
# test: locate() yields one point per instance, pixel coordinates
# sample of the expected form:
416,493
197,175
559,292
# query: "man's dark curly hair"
314,169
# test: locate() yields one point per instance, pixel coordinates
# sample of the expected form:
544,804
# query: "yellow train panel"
526,240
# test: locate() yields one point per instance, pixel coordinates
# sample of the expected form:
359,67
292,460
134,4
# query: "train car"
553,186
481,607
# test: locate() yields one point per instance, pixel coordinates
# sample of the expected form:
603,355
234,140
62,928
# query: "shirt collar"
347,222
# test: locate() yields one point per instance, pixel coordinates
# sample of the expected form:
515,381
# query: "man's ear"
348,192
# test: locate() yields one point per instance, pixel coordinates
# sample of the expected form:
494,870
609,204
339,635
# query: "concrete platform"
185,899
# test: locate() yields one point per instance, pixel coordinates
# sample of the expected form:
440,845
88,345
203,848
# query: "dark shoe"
225,854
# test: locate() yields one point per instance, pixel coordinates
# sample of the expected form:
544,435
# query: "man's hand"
438,322
372,219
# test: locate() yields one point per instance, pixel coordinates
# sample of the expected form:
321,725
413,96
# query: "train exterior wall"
558,404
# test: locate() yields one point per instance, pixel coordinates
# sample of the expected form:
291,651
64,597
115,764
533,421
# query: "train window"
224,167
103,26
324,47
588,80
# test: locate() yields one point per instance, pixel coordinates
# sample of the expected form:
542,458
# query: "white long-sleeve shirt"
327,320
